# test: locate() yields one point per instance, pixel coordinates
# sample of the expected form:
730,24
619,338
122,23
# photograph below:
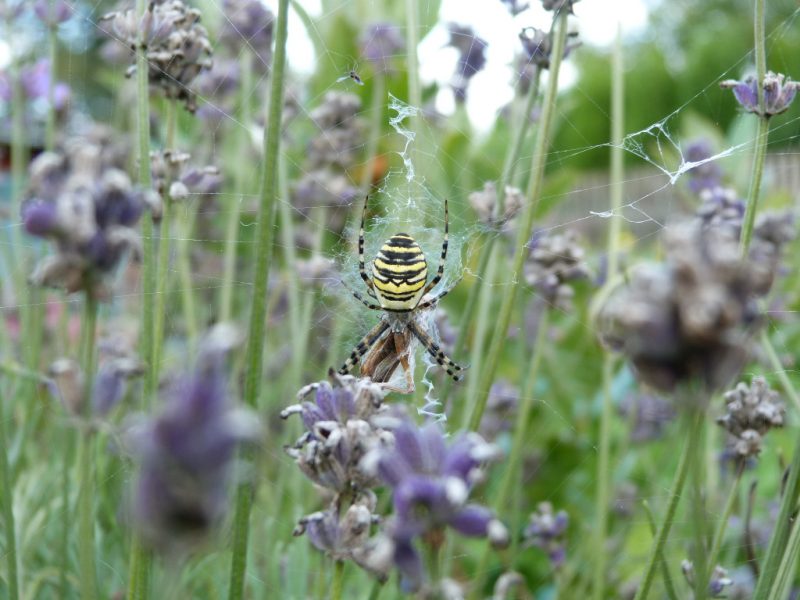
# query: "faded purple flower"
750,412
555,260
515,7
547,530
174,178
431,482
718,583
559,5
53,12
471,59
248,26
537,47
88,208
650,415
35,81
381,43
501,409
705,176
484,202
186,454
779,93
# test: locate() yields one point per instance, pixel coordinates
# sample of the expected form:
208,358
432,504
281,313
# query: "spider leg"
436,297
433,349
361,268
363,300
440,271
363,347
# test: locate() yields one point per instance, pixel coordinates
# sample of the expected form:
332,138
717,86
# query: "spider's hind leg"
453,370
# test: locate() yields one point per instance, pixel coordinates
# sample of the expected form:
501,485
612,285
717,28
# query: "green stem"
788,566
50,126
784,524
760,142
669,587
614,233
86,543
161,290
234,214
760,48
185,266
526,222
375,122
414,89
723,522
780,370
337,586
263,261
512,470
7,500
481,274
699,546
687,456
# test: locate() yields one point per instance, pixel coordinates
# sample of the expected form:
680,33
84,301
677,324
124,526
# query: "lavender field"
433,299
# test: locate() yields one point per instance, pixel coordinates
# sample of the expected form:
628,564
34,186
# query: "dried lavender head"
340,131
248,25
431,481
547,530
651,414
559,5
705,176
554,261
174,178
381,43
187,453
88,208
721,207
750,412
501,409
717,584
471,59
339,432
53,12
484,202
779,93
687,319
537,46
176,45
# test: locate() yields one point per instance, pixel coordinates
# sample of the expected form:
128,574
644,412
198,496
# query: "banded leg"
436,297
362,270
363,300
363,347
433,349
440,271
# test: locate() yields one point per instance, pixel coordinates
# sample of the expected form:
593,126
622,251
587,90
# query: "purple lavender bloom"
472,57
431,482
52,12
779,93
547,530
380,43
515,7
558,5
707,175
248,25
187,453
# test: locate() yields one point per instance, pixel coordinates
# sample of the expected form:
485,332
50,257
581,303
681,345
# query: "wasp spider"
400,287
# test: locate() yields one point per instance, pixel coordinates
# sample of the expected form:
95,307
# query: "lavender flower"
719,578
88,208
35,82
380,44
174,179
686,319
176,45
651,415
53,12
431,482
501,408
750,412
721,207
706,176
484,203
554,261
779,93
248,25
537,46
515,7
547,530
339,432
186,454
559,5
471,59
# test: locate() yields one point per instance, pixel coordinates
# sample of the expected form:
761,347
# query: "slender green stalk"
138,559
414,89
86,545
669,587
788,566
526,222
50,125
614,232
185,272
263,261
780,370
722,526
482,274
377,101
687,456
7,500
337,586
784,524
240,182
161,290
512,470
700,537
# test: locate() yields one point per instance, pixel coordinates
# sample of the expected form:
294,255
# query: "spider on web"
398,284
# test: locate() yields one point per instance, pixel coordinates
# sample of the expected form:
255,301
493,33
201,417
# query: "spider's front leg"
431,302
454,370
363,347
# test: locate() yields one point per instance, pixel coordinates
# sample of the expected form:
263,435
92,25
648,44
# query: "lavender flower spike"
431,482
779,93
187,453
547,531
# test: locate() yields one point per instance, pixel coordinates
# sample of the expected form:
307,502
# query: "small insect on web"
400,285
352,74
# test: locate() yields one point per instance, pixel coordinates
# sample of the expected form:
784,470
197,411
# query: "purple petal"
392,469
434,449
473,520
325,402
459,461
408,445
109,388
40,218
746,94
409,564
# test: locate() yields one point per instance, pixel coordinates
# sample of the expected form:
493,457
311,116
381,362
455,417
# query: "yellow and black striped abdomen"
399,273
